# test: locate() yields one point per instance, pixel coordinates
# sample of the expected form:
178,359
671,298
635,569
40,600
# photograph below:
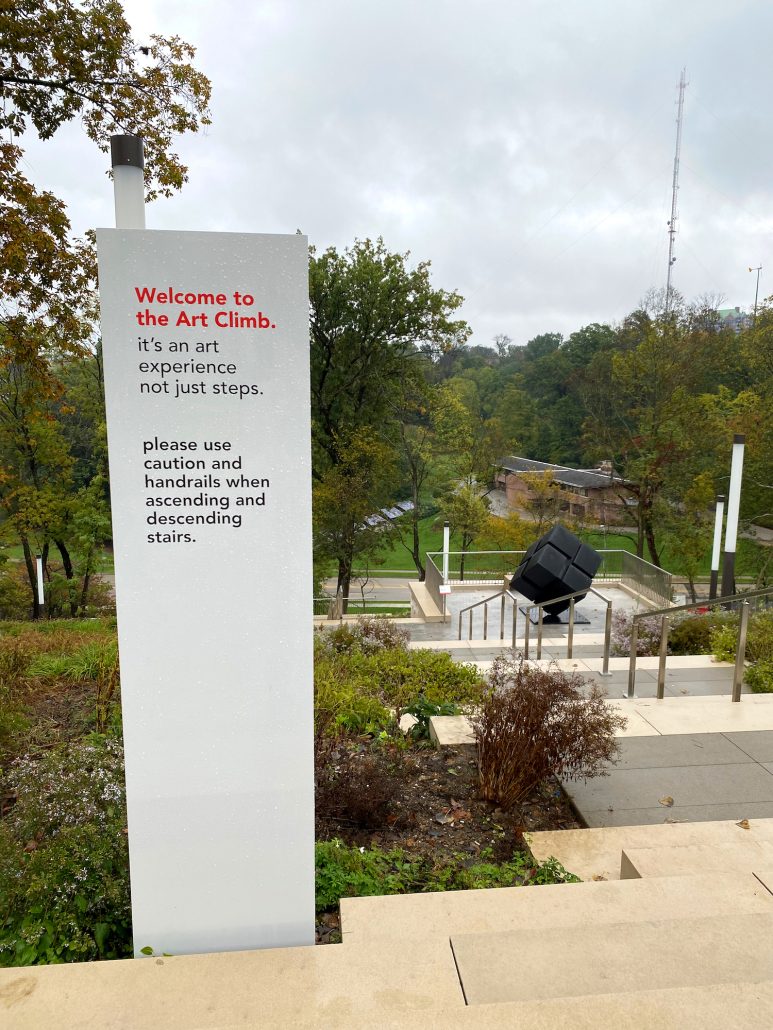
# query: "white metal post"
41,591
446,548
733,508
717,548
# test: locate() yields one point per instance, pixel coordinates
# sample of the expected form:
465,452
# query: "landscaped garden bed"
394,814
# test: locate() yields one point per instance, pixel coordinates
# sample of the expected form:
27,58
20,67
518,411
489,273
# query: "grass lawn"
431,538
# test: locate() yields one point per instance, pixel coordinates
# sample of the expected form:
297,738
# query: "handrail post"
539,631
485,621
469,628
515,618
663,654
526,634
632,663
570,632
502,621
607,640
740,652
460,625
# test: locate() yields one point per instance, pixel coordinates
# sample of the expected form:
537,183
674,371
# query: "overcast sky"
525,147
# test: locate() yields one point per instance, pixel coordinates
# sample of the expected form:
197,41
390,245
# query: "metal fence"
482,568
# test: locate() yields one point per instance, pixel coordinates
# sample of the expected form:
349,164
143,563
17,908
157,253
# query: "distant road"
383,589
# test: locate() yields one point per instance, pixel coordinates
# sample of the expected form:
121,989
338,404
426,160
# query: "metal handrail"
486,601
666,613
571,598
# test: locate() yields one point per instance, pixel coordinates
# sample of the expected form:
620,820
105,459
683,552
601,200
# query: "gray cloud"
524,147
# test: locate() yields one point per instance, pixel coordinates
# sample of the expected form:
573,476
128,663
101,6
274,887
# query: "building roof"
588,479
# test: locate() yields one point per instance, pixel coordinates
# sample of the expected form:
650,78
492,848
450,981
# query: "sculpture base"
554,620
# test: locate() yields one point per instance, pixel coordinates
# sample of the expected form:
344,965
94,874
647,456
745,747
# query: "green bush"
361,690
351,872
723,642
64,878
693,634
759,677
367,634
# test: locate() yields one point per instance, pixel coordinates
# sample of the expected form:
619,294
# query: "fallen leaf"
443,818
599,876
744,824
667,801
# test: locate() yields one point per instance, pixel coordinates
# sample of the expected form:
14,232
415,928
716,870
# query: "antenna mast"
675,186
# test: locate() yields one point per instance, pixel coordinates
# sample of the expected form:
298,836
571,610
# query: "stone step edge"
501,909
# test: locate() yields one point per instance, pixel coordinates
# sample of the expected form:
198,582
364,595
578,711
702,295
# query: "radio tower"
675,186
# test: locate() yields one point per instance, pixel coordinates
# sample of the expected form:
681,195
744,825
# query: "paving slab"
758,744
703,785
681,749
555,962
685,814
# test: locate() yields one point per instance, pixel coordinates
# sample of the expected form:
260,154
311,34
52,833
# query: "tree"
372,319
346,503
370,314
642,401
466,512
61,60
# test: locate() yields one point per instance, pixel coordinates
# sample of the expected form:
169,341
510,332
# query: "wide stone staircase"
682,940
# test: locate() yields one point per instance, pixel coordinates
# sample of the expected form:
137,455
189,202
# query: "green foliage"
423,710
64,883
759,677
92,661
350,872
723,640
693,634
363,689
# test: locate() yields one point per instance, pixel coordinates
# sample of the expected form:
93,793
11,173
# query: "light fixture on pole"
715,553
128,163
758,269
733,509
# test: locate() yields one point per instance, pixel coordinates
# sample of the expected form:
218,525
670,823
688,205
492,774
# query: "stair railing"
740,601
571,598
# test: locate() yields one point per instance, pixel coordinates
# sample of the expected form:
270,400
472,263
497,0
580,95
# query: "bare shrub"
533,723
355,781
367,634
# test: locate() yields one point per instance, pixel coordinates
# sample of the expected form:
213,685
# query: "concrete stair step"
708,1007
614,958
738,856
597,852
277,988
556,905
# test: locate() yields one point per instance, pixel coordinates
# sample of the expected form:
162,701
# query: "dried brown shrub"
534,723
355,781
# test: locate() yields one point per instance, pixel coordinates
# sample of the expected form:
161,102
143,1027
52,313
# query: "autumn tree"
60,61
372,319
346,506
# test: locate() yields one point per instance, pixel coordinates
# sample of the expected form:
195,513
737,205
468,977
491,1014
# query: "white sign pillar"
205,341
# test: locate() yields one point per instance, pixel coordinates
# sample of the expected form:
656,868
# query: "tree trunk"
649,533
344,579
32,573
691,587
68,571
416,550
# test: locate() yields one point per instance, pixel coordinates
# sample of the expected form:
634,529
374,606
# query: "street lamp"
758,269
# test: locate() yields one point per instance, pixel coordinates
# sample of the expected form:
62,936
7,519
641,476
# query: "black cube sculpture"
558,563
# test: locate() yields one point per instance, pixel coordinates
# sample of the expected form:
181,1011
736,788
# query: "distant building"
595,495
733,318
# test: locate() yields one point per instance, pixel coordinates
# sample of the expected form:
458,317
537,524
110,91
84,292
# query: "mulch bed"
437,812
